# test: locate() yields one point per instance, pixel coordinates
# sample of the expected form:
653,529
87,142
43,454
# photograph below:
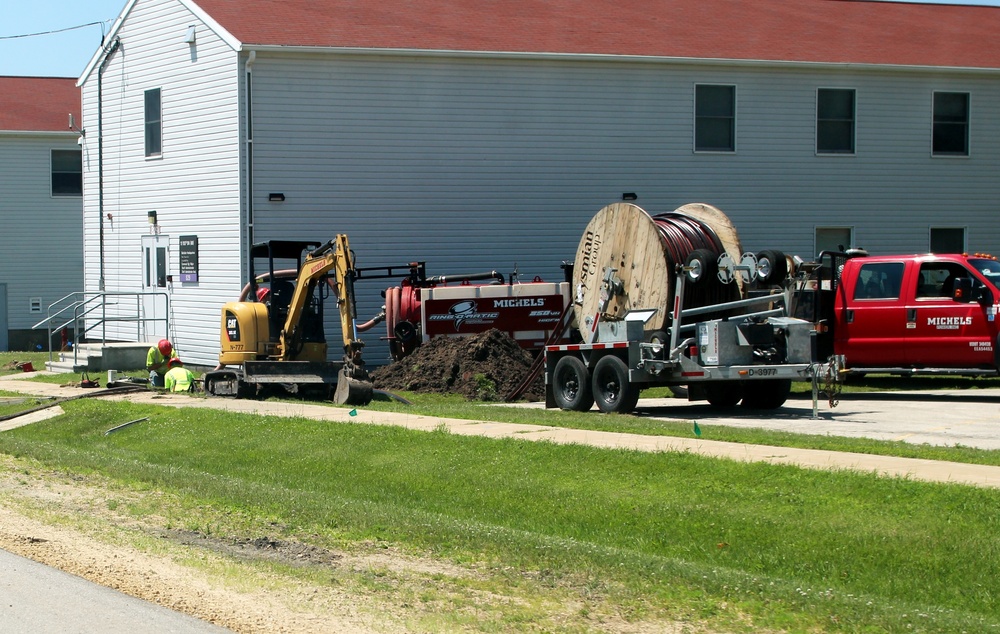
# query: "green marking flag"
353,412
697,430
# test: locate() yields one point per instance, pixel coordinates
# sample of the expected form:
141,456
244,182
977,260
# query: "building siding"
482,164
194,186
41,255
473,164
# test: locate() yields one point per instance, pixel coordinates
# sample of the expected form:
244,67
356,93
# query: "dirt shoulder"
73,525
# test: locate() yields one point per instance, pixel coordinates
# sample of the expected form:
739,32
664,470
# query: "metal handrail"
83,304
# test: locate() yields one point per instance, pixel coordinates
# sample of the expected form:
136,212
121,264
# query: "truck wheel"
724,393
700,265
612,390
770,394
571,385
771,266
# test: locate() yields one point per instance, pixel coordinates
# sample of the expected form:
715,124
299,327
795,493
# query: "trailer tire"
772,267
612,390
700,265
724,393
770,394
571,388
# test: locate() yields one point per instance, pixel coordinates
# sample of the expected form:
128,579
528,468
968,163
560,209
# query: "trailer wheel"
724,393
571,385
700,265
771,266
770,394
612,390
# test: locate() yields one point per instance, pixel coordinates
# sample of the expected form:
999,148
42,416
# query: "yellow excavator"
274,335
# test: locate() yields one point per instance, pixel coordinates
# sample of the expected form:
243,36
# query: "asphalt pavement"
43,600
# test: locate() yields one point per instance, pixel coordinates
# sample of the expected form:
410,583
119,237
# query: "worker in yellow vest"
178,378
156,361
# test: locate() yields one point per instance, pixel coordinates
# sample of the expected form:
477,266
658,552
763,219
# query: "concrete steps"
96,357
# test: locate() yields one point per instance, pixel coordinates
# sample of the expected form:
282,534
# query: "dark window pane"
715,101
835,104
715,134
715,119
951,123
67,173
835,121
835,136
153,128
947,240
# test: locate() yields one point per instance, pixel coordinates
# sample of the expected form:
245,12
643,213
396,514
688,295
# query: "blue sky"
65,54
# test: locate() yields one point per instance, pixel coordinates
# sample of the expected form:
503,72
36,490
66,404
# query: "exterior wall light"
276,197
151,217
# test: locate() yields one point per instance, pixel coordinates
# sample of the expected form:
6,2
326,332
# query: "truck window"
937,279
879,281
990,270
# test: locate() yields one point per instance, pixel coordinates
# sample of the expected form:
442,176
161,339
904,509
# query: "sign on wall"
189,258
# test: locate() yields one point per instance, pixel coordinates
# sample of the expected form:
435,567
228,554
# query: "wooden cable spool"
644,251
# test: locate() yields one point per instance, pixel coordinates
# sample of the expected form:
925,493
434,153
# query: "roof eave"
40,133
190,5
597,57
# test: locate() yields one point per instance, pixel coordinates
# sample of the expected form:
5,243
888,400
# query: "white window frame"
968,125
52,173
146,122
694,131
965,237
854,123
818,228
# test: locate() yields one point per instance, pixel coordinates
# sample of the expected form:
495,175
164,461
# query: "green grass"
672,535
455,406
8,359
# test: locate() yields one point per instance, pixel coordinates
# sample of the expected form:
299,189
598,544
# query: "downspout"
248,77
109,50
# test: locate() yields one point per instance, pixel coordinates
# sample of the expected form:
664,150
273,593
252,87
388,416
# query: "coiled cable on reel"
682,235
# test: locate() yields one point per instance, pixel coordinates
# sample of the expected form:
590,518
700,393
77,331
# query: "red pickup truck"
910,314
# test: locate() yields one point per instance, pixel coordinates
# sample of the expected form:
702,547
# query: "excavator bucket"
352,391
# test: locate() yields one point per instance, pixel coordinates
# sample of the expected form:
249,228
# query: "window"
833,239
947,240
879,281
715,118
834,121
937,279
67,173
951,124
154,127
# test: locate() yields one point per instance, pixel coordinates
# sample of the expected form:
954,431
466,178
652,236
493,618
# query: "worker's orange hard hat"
174,362
165,347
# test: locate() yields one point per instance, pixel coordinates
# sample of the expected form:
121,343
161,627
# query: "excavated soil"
487,367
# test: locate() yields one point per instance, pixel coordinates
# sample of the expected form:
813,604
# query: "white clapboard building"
484,135
41,205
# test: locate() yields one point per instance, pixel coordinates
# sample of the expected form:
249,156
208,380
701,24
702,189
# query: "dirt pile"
486,367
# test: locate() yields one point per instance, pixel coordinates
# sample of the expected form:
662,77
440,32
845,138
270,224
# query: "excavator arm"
353,385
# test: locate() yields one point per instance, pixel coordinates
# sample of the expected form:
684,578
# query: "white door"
155,258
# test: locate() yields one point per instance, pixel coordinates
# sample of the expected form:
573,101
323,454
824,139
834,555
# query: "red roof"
830,31
38,104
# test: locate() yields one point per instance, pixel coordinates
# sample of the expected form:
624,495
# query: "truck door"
945,333
870,330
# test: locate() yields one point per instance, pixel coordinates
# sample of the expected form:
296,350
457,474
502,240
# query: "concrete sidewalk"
926,470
